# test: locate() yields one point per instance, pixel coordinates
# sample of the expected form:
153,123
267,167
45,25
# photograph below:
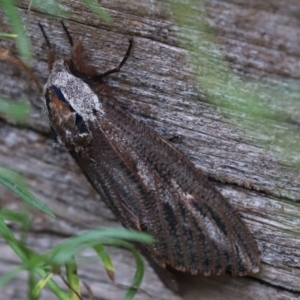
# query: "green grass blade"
106,261
10,239
40,285
56,290
32,283
140,267
53,7
139,273
14,216
8,35
63,252
98,10
73,279
16,183
17,217
114,233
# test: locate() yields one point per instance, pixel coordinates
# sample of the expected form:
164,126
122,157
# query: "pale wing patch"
78,94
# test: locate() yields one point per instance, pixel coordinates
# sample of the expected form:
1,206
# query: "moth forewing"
147,183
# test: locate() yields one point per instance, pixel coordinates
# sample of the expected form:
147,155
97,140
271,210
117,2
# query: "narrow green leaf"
108,233
30,258
15,216
30,261
10,239
56,290
32,283
16,183
138,276
106,261
73,279
62,252
140,267
52,7
40,285
98,10
8,35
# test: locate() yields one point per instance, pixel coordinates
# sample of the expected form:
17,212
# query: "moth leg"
51,51
118,68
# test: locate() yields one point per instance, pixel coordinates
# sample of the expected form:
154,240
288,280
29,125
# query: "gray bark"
256,171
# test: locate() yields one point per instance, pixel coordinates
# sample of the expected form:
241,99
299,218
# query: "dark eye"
80,124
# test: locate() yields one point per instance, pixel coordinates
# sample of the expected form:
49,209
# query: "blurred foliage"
44,266
16,111
256,107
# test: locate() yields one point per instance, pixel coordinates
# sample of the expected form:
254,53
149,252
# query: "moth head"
72,107
70,102
69,94
73,91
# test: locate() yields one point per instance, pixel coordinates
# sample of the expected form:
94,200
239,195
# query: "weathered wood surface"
260,39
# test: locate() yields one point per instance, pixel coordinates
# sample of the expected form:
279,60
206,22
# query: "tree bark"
257,172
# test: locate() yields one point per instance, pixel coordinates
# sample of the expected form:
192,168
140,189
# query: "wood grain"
256,170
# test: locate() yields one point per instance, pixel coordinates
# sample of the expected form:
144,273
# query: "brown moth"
148,184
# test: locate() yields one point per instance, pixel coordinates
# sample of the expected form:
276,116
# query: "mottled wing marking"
191,224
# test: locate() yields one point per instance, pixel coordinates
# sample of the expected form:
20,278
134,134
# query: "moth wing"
152,187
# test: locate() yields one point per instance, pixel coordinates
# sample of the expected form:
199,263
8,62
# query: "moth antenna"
67,32
45,35
119,67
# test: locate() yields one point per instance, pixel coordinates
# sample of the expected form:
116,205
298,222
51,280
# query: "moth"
148,184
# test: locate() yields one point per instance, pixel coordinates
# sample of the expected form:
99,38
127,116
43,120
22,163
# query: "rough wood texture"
156,85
